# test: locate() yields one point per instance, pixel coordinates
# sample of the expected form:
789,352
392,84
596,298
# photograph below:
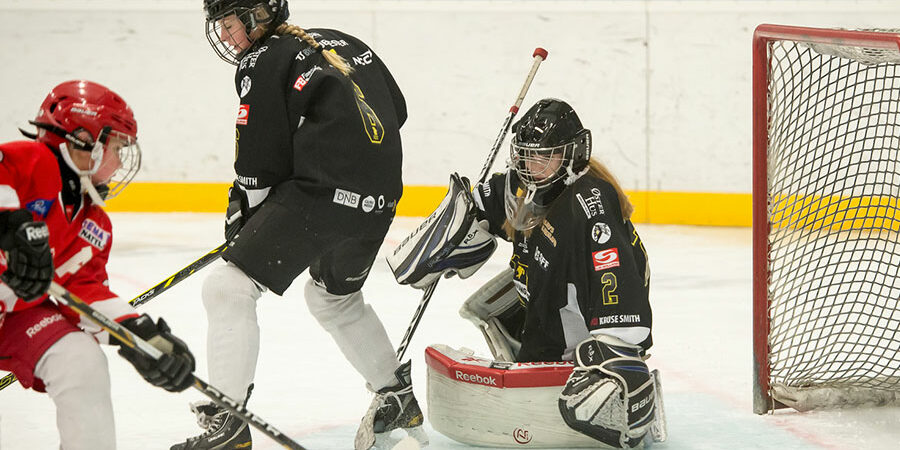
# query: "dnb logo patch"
243,114
601,233
605,259
93,234
40,207
346,198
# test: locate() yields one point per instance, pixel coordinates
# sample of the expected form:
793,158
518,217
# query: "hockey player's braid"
334,59
597,169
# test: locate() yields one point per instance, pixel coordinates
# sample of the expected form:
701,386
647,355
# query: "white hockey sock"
357,331
232,339
76,375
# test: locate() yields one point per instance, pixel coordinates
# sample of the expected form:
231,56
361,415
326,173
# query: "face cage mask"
129,163
542,166
246,20
115,160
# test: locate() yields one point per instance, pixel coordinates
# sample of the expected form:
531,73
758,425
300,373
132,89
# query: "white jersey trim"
8,197
115,308
629,335
572,321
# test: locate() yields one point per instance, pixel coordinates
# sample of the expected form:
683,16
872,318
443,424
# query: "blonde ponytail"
332,58
598,170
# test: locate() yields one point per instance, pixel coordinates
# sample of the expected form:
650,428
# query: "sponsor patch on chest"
93,234
605,259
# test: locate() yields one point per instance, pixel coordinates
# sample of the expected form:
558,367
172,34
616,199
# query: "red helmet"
81,114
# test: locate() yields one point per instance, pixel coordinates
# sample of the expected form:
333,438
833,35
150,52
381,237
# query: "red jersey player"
52,227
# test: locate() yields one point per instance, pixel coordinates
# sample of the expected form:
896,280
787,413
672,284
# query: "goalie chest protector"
478,401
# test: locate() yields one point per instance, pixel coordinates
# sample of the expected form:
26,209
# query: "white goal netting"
834,217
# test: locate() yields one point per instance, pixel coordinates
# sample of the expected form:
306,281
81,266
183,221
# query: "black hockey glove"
174,370
238,212
29,268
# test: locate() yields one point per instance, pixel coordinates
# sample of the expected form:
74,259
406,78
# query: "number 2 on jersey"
610,283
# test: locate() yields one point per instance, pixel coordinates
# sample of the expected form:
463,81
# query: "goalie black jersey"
582,270
301,119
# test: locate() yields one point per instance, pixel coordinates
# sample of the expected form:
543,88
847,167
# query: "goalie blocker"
450,241
483,402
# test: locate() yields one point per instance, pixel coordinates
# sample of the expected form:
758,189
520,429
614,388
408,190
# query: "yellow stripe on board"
685,208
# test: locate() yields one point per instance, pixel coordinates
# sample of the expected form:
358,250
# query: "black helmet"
549,150
257,17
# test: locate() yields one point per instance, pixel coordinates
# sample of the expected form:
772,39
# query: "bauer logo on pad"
606,259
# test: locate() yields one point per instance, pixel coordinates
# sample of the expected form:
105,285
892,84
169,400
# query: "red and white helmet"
86,116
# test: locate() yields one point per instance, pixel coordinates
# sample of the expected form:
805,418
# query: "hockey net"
826,217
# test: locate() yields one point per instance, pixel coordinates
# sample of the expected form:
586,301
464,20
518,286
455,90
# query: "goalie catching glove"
173,371
610,394
450,241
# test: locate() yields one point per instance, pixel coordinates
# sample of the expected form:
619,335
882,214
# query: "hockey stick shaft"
129,339
417,317
179,276
539,56
151,293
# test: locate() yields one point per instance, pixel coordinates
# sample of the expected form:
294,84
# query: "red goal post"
826,217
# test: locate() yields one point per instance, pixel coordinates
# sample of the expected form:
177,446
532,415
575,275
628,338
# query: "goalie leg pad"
610,395
450,241
495,309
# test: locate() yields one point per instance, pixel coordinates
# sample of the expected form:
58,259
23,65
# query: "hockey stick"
539,56
179,276
151,293
141,346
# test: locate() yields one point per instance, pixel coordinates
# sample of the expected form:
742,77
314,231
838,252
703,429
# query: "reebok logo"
36,328
38,232
477,379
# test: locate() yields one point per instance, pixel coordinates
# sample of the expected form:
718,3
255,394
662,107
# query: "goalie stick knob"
540,52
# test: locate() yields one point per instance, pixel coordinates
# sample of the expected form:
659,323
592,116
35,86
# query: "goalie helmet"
233,26
83,116
550,149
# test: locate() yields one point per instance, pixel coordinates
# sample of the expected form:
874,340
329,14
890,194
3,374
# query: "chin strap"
573,176
84,176
92,192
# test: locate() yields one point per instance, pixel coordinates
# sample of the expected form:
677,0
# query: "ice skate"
223,431
392,408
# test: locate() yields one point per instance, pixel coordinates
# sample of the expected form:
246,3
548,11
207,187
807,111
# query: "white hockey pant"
232,339
357,331
76,376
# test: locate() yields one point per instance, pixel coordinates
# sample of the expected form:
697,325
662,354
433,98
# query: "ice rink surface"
700,293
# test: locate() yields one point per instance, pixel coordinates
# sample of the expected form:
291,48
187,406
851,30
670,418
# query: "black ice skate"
392,408
224,431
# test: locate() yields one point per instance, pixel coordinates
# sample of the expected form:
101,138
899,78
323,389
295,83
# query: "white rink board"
664,85
701,303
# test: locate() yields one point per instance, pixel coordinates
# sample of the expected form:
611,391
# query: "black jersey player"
578,282
318,158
